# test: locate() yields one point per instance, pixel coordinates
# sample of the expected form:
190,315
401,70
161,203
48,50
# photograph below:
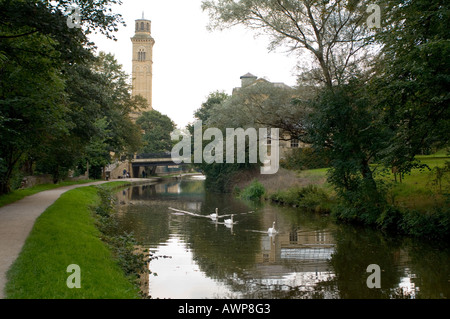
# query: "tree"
215,113
412,79
157,128
333,33
36,47
347,127
213,99
31,105
265,105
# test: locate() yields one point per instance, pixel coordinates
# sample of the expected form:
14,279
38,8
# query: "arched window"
141,55
148,27
142,26
137,26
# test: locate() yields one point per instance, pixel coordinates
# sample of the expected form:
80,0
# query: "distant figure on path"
124,173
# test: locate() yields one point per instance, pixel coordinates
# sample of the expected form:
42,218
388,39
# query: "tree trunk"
367,174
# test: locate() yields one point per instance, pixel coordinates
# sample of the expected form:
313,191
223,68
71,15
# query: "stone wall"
117,172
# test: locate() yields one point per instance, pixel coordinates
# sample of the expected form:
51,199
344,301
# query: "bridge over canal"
151,161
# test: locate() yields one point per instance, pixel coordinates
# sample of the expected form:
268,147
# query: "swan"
272,229
229,221
214,215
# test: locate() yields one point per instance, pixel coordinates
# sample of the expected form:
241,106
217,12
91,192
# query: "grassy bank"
18,194
66,234
417,206
420,189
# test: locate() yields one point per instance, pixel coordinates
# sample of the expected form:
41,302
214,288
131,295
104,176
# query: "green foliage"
310,197
219,176
54,92
107,202
328,32
439,174
374,109
434,225
214,99
263,105
305,158
157,128
346,127
254,191
133,262
412,81
65,234
18,194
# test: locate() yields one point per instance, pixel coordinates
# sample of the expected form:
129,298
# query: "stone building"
286,143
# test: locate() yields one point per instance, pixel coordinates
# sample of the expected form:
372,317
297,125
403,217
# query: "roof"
248,75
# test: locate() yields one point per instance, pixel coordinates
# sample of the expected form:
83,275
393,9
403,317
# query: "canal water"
310,256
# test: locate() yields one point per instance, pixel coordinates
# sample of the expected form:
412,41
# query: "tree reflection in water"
309,257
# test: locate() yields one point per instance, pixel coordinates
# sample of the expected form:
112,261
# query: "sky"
190,62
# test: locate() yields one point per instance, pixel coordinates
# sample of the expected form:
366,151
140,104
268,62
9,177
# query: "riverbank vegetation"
372,102
64,108
417,206
127,252
66,234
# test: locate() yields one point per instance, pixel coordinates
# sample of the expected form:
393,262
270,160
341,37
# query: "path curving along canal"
309,255
17,220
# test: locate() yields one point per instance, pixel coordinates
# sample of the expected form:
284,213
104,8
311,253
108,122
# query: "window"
142,26
293,237
141,55
294,143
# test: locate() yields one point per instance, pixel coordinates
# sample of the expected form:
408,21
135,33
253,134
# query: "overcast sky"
189,62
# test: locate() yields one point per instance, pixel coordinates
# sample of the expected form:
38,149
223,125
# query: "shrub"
313,198
390,220
434,225
255,191
310,197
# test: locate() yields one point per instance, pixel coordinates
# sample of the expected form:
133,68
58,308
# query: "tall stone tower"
142,72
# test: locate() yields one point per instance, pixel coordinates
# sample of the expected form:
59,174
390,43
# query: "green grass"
417,189
21,193
66,234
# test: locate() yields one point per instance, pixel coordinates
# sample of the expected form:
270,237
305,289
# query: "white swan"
214,215
272,229
229,221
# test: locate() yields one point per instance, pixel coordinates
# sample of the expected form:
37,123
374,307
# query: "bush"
255,191
219,176
434,225
310,197
107,202
390,220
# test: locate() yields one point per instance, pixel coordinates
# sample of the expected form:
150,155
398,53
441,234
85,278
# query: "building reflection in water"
293,260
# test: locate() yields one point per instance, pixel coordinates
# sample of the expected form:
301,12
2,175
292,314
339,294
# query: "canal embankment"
416,205
45,233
